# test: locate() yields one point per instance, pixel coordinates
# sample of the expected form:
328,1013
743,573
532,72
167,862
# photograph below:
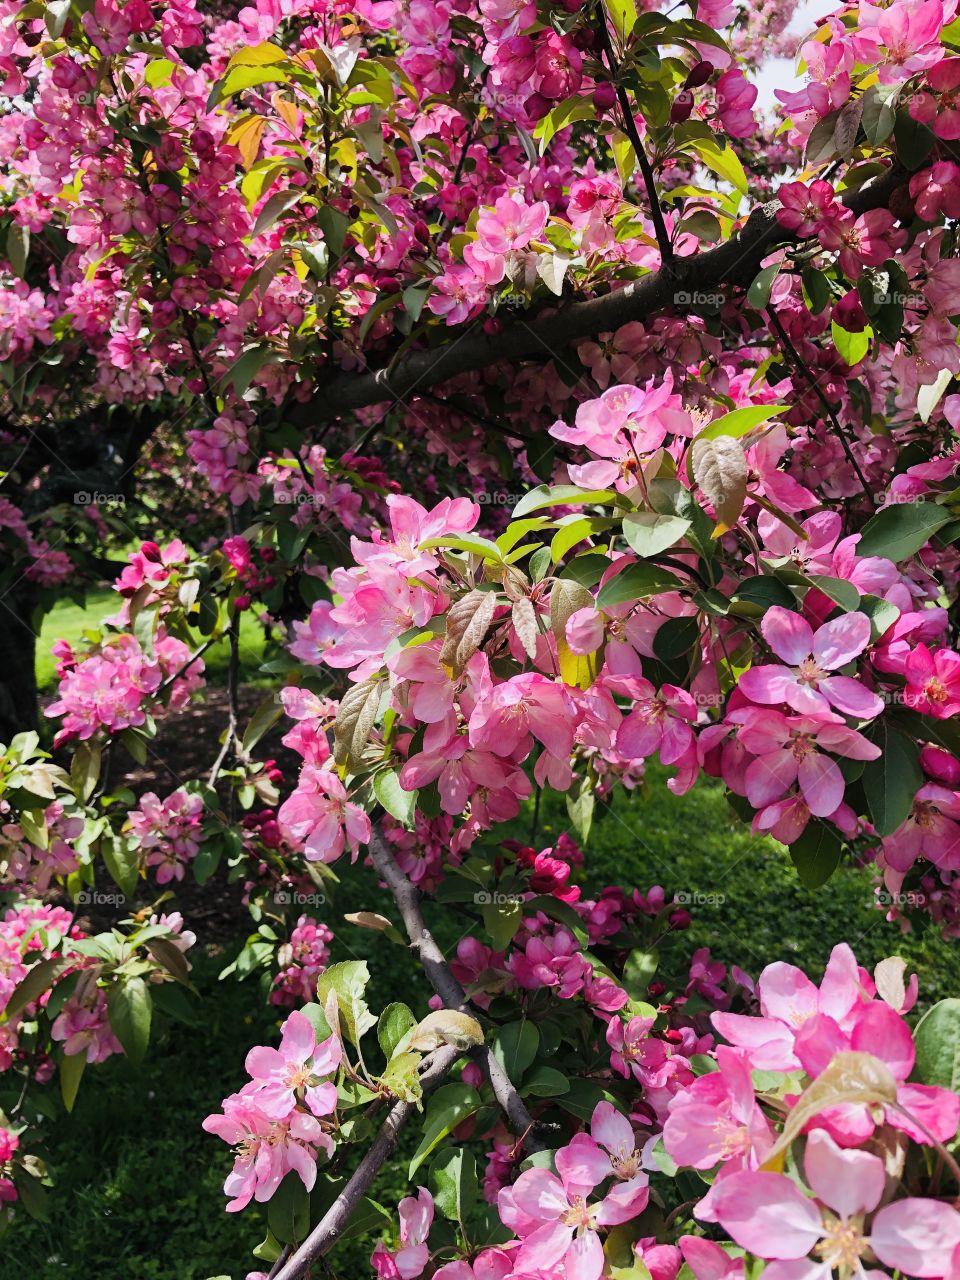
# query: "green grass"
69,620
138,1182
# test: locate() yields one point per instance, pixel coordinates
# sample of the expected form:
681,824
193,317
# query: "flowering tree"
672,385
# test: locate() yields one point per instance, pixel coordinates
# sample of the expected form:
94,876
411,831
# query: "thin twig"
447,987
330,1226
793,354
633,133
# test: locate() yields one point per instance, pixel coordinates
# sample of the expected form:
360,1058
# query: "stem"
794,355
330,1226
447,987
633,133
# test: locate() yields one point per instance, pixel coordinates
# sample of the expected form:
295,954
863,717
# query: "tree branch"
448,988
545,333
325,1233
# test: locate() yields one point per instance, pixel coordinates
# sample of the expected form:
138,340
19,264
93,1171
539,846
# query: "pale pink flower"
807,684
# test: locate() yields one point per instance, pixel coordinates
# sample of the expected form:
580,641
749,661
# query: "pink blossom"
555,1221
282,1077
807,684
767,1214
805,209
933,681
416,1216
266,1149
319,816
511,224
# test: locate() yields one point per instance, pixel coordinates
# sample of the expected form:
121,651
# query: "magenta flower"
266,1149
933,681
416,1217
768,1214
511,224
791,749
932,831
805,209
708,1261
807,684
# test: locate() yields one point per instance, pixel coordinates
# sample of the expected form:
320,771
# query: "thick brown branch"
545,334
448,988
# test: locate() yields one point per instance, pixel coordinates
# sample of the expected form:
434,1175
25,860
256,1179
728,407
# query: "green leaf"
122,860
759,594
636,582
899,531
816,855
561,495
758,295
816,287
262,721
638,971
398,803
892,781
851,346
348,980
515,1047
130,1009
18,248
545,1082
38,979
914,140
841,592
740,421
937,1038
448,1107
395,1021
587,568
501,920
649,533
243,371
401,1077
453,1181
71,1071
288,1210
724,162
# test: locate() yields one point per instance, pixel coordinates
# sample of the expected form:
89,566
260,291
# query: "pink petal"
584,1259
789,635
540,1193
821,783
767,1214
916,1236
840,641
544,1247
581,1164
848,1181
851,697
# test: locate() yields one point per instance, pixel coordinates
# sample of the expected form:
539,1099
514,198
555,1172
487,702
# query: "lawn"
138,1190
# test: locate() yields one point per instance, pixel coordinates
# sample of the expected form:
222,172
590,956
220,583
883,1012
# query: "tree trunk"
18,675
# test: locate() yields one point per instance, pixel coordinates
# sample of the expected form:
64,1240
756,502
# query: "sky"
779,73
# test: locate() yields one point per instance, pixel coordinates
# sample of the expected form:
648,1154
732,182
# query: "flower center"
843,1243
936,690
809,673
